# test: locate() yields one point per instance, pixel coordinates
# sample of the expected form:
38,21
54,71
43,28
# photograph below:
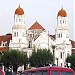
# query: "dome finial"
19,5
19,11
62,12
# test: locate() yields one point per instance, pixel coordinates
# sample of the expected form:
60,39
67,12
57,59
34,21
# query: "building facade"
63,44
37,37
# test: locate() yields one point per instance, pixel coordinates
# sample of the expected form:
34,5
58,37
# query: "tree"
71,59
14,58
41,57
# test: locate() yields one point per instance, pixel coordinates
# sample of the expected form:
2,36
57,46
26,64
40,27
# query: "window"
54,72
3,44
30,44
69,73
29,74
61,34
23,74
39,73
66,73
33,73
61,64
61,55
14,33
45,73
17,33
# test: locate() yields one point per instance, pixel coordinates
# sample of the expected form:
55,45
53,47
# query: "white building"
37,37
63,44
19,39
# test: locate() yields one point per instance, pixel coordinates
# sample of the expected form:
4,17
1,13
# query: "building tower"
63,44
19,40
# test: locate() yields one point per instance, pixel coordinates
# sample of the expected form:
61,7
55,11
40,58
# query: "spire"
19,5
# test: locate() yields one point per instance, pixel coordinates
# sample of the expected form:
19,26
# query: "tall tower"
62,32
19,17
63,45
19,40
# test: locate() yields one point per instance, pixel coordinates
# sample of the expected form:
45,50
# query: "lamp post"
53,47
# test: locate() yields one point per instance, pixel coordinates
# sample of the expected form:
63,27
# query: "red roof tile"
62,13
73,43
2,49
19,11
73,46
5,38
36,25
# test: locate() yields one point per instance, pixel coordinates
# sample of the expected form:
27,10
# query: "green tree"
14,58
71,59
41,57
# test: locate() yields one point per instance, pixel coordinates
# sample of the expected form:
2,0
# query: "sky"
43,11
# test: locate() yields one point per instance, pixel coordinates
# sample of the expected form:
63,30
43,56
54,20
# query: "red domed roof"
62,13
19,11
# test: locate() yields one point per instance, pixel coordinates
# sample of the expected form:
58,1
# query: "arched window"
17,33
30,44
61,64
61,55
63,21
14,33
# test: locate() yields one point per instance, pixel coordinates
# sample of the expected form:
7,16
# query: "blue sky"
44,11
